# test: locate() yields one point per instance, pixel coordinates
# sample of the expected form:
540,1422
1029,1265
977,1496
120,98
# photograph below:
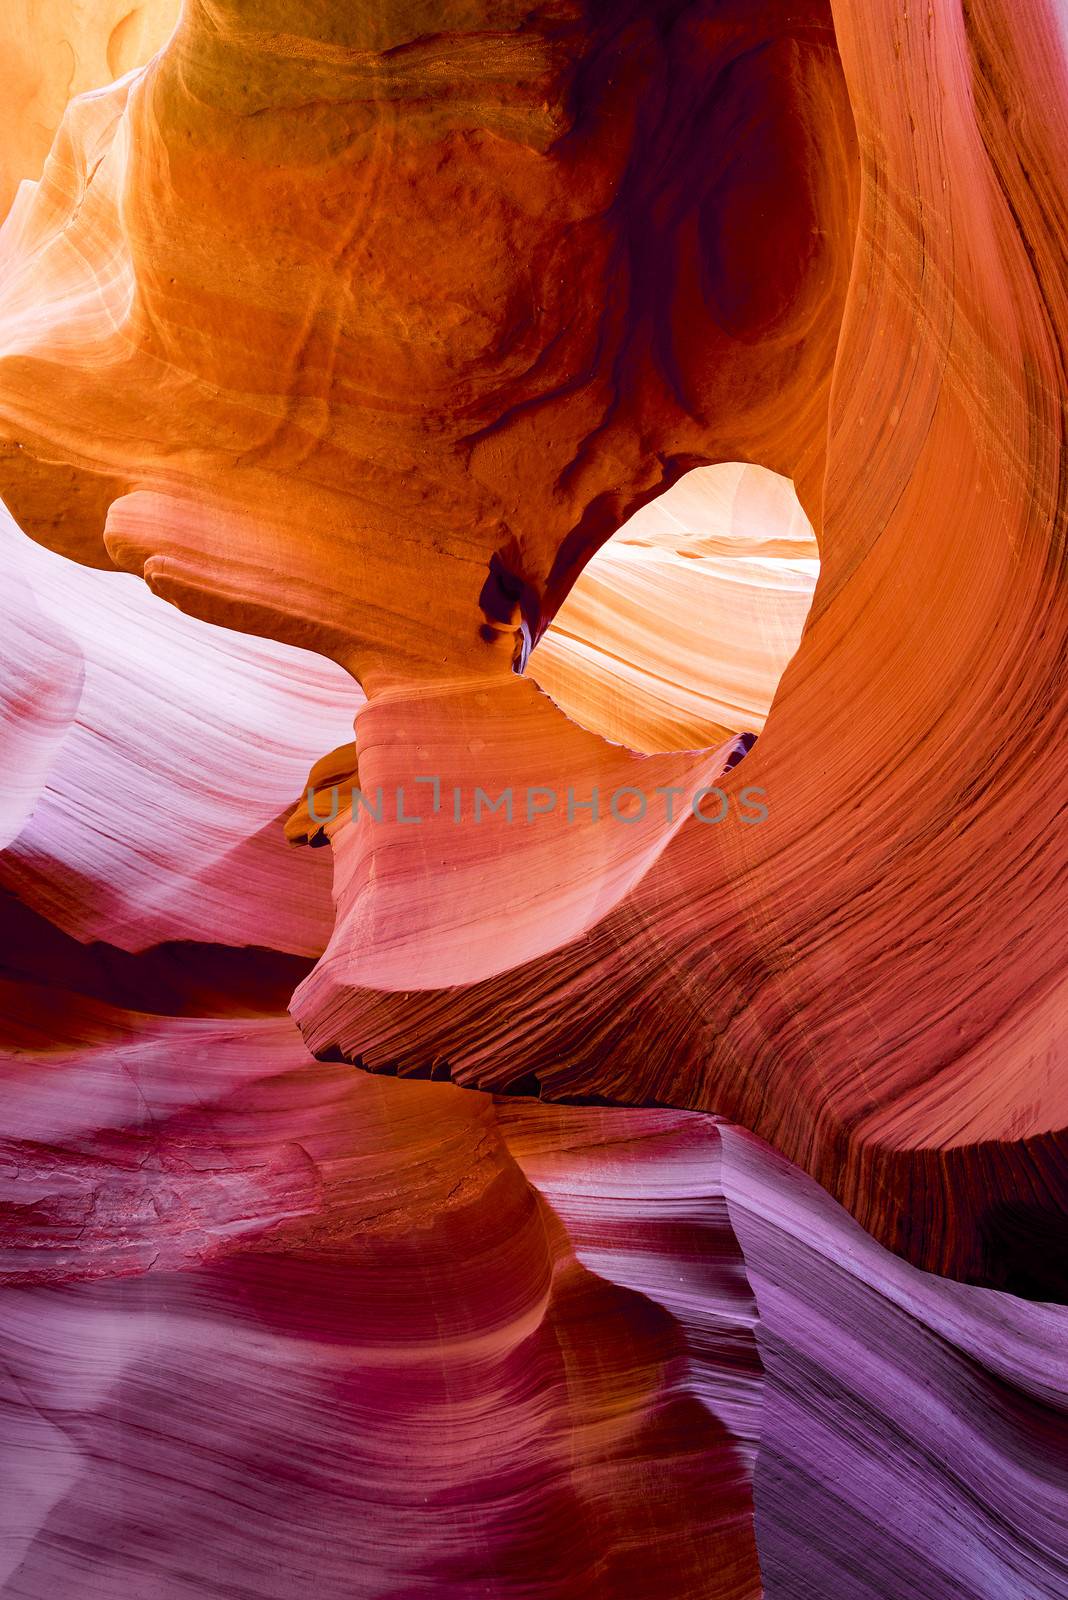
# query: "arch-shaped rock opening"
678,631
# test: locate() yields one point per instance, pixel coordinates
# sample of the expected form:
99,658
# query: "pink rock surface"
336,344
268,1322
151,760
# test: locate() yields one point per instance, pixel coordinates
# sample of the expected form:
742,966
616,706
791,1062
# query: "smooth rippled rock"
356,335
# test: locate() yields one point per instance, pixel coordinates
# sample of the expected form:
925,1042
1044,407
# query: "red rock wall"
356,334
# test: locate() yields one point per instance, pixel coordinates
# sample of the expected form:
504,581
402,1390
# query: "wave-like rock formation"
271,1324
599,468
486,294
872,1375
148,759
53,49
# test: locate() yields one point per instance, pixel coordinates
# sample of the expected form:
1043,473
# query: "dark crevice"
176,978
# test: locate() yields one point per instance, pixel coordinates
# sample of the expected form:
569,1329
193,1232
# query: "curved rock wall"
720,1250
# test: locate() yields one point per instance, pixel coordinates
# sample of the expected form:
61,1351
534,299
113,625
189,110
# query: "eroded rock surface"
357,334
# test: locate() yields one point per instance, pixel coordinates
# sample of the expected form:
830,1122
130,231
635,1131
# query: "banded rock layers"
266,1321
478,392
485,294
